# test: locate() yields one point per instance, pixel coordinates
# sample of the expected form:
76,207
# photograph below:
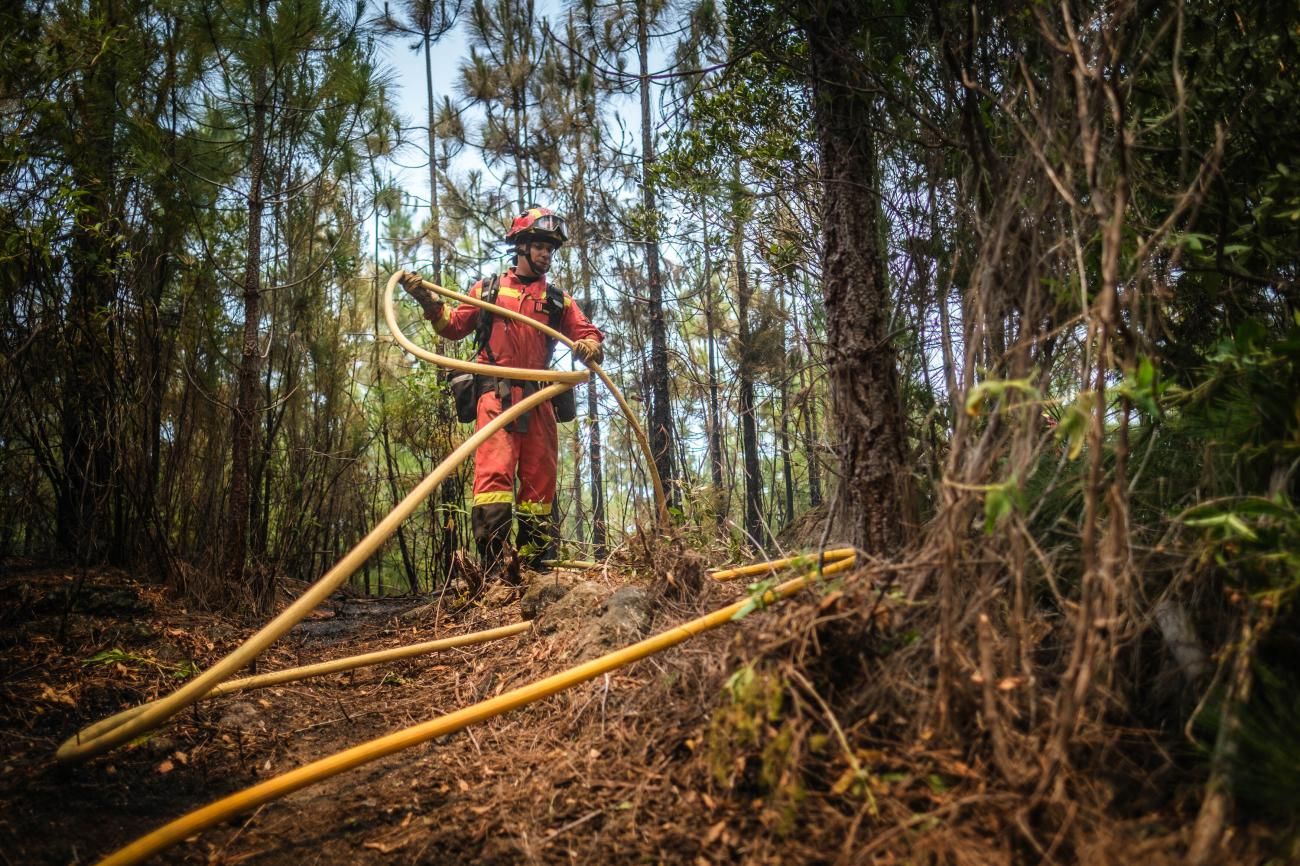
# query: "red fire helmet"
538,223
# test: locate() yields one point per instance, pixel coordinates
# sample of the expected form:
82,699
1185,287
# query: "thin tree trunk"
809,415
784,427
748,427
715,419
860,356
661,418
408,561
390,465
598,521
435,228
242,428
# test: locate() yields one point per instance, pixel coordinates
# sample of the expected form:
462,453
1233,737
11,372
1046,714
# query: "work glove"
589,351
414,285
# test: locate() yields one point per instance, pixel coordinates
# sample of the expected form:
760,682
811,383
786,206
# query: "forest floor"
622,769
592,775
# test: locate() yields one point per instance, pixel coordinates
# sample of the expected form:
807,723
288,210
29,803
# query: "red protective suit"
529,453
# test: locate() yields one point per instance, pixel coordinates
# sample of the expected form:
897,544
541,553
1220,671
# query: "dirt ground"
686,757
593,775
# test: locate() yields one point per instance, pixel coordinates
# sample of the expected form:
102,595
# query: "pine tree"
505,51
271,53
430,21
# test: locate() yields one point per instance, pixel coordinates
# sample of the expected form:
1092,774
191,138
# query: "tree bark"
860,359
242,428
598,521
435,229
86,412
754,527
715,416
787,472
661,416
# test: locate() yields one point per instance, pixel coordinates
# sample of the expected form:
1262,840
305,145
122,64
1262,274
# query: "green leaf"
757,598
108,657
992,389
1073,426
997,504
1230,523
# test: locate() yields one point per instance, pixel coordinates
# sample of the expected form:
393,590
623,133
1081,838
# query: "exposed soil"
585,776
675,759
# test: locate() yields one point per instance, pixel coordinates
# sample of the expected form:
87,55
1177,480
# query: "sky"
407,68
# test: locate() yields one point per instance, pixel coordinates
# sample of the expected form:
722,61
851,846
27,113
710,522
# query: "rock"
543,592
624,619
238,716
158,746
627,611
583,602
593,621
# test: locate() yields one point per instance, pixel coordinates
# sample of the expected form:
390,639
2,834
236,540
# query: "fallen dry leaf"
386,847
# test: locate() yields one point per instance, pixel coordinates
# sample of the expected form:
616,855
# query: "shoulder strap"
554,313
483,331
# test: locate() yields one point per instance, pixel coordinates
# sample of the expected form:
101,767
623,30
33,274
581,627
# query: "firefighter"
526,449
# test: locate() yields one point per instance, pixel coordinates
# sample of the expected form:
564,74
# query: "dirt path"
593,775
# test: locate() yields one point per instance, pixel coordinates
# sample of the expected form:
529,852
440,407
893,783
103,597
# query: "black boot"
490,524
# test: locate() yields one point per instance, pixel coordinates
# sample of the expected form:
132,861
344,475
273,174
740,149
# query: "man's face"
539,254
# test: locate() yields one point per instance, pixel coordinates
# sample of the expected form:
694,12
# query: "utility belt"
467,388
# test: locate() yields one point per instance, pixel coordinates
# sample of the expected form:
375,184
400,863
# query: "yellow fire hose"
115,730
272,789
777,564
289,675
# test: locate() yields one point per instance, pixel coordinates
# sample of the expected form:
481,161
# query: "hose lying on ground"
272,789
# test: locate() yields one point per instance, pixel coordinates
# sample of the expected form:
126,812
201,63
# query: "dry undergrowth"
803,735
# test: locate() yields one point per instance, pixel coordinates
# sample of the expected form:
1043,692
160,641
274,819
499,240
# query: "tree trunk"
860,359
598,527
86,415
783,434
715,416
661,417
754,527
435,228
806,388
237,511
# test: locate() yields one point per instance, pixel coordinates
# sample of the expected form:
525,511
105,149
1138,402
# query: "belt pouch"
466,397
565,406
